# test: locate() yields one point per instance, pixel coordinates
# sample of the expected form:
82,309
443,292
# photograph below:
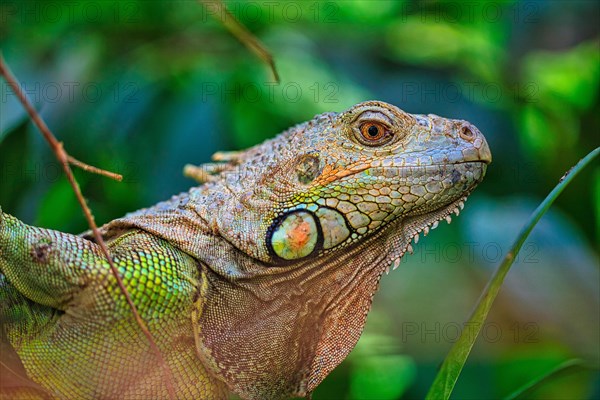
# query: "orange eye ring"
372,131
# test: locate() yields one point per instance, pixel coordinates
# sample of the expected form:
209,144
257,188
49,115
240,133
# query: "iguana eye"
373,133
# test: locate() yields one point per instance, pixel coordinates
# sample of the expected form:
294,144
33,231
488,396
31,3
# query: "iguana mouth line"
469,162
428,165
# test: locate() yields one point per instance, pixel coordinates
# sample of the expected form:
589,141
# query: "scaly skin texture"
257,282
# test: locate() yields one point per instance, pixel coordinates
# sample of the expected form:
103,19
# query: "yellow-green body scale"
70,323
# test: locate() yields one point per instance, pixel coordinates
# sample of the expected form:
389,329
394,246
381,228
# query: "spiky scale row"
425,230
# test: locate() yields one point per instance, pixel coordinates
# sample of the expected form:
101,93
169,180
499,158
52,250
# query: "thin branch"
94,170
242,34
63,158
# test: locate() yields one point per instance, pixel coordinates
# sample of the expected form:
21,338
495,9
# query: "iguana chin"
257,282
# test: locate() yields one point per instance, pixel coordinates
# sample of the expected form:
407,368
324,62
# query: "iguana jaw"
350,213
413,227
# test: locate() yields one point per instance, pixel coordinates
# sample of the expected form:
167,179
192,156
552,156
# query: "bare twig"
242,34
65,159
94,170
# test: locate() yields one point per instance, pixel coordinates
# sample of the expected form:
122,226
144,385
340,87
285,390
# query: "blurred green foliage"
143,88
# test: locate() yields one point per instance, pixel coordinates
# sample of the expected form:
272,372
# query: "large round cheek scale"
295,237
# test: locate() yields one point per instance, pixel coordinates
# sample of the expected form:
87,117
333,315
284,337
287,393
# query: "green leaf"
452,366
448,44
14,166
538,132
596,195
362,11
549,131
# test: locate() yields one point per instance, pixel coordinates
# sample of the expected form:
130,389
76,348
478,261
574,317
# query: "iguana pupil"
373,131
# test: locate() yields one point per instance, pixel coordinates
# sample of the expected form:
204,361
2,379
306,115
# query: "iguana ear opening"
308,167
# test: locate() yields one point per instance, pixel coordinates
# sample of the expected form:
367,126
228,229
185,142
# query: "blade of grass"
452,366
562,368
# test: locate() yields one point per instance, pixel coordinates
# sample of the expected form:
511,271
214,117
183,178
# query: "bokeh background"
143,87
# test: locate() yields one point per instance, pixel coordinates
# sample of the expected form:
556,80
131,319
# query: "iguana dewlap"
257,282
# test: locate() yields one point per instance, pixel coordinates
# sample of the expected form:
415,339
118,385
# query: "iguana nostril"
466,133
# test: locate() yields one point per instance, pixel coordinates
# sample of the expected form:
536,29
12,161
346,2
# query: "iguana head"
339,179
305,225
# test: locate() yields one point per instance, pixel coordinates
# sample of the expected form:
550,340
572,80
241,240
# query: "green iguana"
258,282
